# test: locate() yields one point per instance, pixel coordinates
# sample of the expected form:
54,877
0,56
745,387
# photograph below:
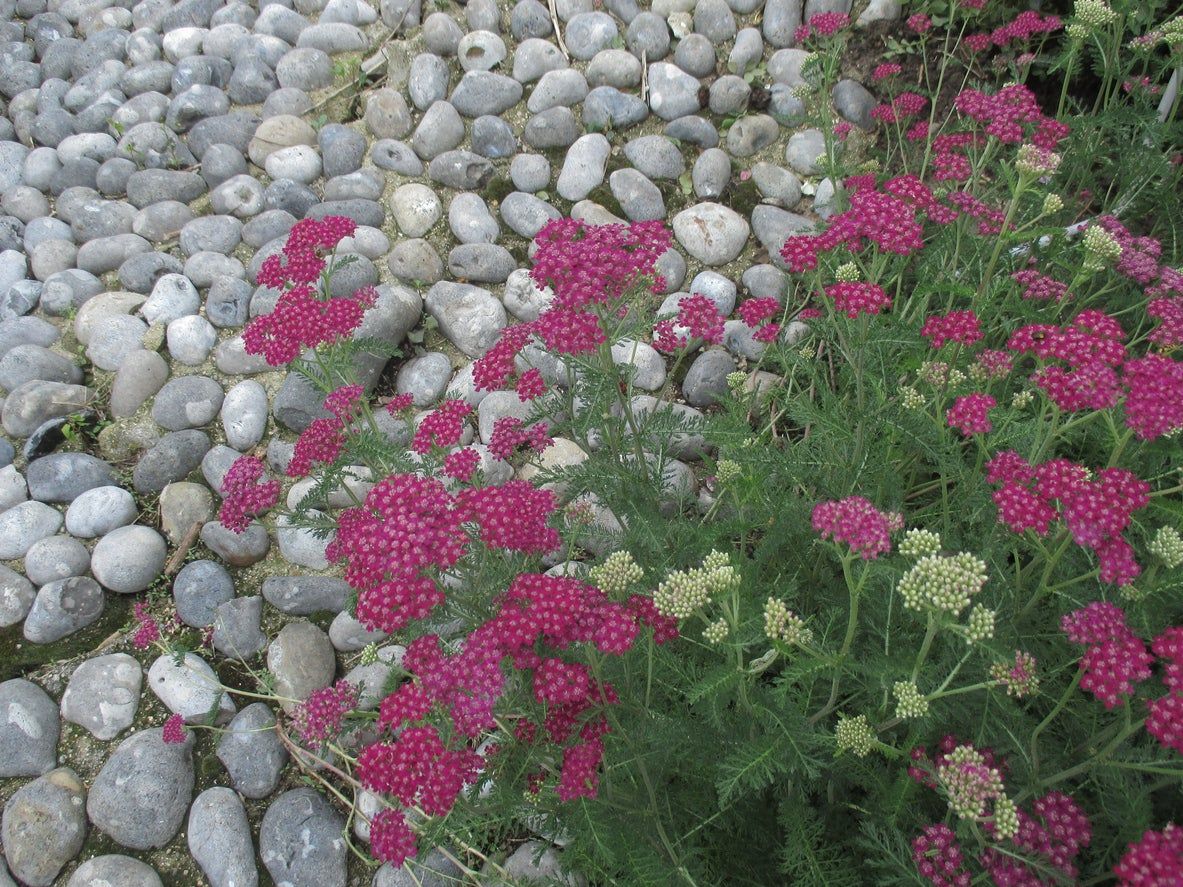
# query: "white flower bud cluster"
716,631
980,624
1006,818
1101,249
782,624
685,591
1093,13
854,735
1022,400
910,398
727,471
736,380
848,272
617,574
1052,203
918,542
968,782
1036,161
909,701
943,584
1167,546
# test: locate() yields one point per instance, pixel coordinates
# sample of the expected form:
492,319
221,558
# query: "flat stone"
54,558
301,841
128,559
712,233
103,695
191,689
469,316
251,752
174,457
24,524
219,838
114,870
62,608
29,731
140,796
44,826
16,597
237,631
583,170
302,660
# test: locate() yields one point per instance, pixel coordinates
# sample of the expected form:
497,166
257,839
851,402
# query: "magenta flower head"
320,716
971,414
245,496
1155,860
858,523
854,297
173,732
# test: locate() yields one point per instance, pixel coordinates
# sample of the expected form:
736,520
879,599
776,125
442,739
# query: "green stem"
1051,716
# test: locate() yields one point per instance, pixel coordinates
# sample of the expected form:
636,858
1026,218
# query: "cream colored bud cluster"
980,624
369,654
716,631
854,735
1167,546
1022,399
943,584
808,351
909,701
782,624
918,542
1036,161
1052,204
1006,818
1101,249
969,782
910,398
939,374
736,380
1093,13
848,272
617,574
685,591
727,471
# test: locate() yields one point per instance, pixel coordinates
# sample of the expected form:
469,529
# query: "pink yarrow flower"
174,730
245,495
971,414
856,522
1154,861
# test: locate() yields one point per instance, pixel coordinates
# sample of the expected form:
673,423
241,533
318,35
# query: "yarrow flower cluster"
1096,511
1018,677
782,624
918,542
536,614
320,716
305,316
173,732
943,584
856,522
1167,546
909,701
970,414
1154,861
1115,658
683,592
244,494
854,735
617,574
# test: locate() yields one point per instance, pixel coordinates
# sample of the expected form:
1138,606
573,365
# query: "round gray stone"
128,559
140,796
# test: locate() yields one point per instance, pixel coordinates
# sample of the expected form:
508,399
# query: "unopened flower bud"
1006,818
1101,249
918,542
1036,161
727,471
1052,204
716,631
910,702
980,625
848,272
617,574
854,735
1167,546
